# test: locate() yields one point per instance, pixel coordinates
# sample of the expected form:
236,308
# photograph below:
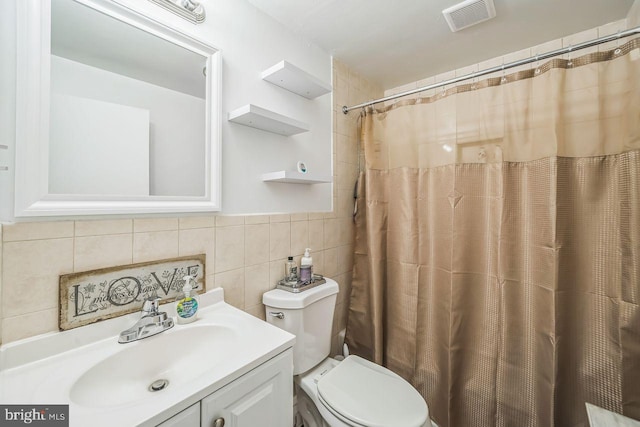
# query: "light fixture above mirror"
190,10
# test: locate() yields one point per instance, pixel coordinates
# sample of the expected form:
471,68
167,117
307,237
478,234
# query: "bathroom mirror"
116,113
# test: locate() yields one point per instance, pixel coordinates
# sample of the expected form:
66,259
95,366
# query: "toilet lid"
371,395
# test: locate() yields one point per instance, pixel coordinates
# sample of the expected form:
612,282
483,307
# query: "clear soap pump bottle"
187,308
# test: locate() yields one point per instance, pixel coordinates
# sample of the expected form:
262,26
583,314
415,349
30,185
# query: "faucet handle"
151,305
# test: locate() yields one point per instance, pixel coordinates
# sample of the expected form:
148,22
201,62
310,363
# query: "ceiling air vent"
468,13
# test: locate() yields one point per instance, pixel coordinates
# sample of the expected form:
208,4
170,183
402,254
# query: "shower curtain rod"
584,45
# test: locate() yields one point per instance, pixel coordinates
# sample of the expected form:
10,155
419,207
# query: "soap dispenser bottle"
306,267
187,307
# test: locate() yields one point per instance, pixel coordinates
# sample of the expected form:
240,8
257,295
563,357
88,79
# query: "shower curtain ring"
618,51
570,62
504,78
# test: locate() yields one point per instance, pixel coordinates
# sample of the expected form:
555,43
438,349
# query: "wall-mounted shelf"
293,79
294,177
261,118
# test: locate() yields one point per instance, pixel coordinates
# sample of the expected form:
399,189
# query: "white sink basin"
106,384
177,355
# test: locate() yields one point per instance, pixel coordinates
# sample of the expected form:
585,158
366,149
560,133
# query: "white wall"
176,167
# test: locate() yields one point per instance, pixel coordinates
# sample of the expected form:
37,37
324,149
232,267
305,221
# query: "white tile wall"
245,254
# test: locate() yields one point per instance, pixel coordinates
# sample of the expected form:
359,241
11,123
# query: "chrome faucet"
151,323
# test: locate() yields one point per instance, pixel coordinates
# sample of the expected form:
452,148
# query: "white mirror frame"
32,198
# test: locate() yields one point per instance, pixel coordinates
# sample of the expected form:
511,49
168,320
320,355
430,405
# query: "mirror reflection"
128,109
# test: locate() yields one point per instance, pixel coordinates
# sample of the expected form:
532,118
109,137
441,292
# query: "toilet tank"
309,316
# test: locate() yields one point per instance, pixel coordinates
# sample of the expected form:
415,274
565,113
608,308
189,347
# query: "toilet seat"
362,393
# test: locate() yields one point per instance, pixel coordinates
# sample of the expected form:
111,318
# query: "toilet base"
308,411
318,415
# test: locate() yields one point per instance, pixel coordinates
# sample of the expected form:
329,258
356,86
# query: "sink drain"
158,385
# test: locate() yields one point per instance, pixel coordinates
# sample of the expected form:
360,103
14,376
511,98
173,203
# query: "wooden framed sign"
95,295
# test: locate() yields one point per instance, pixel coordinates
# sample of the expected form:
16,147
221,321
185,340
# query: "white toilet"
349,393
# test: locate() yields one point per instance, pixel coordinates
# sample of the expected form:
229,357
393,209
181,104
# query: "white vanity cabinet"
262,397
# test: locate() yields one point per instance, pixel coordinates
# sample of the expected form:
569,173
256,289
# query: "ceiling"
393,42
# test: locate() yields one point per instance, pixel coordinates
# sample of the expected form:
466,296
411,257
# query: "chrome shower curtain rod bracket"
551,54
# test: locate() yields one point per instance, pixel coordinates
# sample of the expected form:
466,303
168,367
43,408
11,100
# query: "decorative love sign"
96,295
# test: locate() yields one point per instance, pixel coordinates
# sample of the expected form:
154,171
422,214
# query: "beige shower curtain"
497,259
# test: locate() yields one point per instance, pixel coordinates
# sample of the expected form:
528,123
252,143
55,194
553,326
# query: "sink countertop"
42,370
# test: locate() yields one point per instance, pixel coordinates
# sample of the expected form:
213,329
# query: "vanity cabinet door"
262,397
190,417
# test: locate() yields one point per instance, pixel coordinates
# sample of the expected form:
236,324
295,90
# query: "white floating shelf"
294,177
293,79
263,119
